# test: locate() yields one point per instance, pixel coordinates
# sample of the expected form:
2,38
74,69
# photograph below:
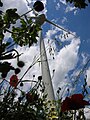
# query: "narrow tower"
45,71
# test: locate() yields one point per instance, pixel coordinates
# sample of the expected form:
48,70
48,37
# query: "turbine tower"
45,71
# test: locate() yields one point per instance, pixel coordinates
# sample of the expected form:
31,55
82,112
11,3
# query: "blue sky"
73,19
72,53
79,23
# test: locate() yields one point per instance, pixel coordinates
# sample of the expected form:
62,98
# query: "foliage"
22,35
79,3
28,105
74,102
26,34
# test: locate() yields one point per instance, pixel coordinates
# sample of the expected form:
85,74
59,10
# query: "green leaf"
23,23
1,4
1,22
10,17
26,34
1,36
79,3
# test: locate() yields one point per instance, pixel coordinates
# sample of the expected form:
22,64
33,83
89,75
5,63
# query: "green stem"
61,28
74,115
26,12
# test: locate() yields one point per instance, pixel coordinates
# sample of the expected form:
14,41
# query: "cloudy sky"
66,54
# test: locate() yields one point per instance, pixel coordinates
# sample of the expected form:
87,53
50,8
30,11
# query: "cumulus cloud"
88,77
64,20
50,33
22,6
65,60
57,6
69,8
87,113
8,4
63,2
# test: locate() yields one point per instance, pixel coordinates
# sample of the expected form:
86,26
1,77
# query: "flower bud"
38,6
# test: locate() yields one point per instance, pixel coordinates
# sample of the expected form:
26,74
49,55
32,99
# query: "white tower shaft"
45,71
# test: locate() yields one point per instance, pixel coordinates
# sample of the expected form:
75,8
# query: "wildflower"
39,77
38,6
4,75
17,70
31,97
20,64
74,102
21,84
14,81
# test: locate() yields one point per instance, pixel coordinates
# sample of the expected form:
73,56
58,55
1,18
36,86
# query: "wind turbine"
40,20
44,61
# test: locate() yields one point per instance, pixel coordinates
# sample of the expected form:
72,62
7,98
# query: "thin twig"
33,63
61,28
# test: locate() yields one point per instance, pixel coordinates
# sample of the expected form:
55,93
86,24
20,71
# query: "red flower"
29,97
74,102
13,80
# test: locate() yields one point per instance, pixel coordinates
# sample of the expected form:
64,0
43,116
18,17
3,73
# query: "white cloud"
84,58
88,76
64,20
57,6
66,60
50,33
63,2
87,113
7,4
75,12
69,9
22,6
